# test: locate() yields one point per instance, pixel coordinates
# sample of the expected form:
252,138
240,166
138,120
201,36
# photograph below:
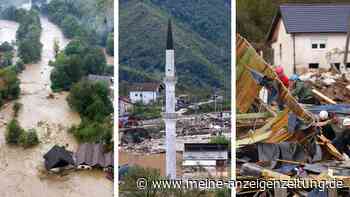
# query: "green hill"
200,30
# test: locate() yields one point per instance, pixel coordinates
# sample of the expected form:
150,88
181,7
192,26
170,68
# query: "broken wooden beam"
323,97
253,115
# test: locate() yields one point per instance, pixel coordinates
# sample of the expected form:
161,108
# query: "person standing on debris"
324,123
300,91
280,73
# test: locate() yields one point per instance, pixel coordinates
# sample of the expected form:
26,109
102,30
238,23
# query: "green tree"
91,100
70,26
6,47
56,47
95,61
68,70
13,132
32,138
110,44
19,65
9,84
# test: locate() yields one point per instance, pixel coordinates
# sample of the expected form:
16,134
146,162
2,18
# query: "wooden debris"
323,97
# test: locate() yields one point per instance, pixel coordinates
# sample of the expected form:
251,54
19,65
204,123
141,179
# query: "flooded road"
21,170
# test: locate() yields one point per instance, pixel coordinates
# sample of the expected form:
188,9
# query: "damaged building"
286,139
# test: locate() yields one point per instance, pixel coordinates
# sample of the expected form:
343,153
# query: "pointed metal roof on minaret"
169,42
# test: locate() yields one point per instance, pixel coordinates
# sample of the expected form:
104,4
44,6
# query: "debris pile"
294,141
334,86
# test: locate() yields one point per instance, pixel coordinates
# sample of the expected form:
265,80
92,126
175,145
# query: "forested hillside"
254,17
201,36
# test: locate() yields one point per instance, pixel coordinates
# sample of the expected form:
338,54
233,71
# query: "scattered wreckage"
292,142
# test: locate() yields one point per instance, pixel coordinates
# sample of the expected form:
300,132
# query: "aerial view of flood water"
37,104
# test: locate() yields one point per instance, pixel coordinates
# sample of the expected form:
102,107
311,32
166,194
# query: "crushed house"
145,93
205,158
58,157
93,155
305,37
291,143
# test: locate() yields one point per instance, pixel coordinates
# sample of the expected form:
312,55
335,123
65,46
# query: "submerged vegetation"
76,61
9,84
91,100
16,135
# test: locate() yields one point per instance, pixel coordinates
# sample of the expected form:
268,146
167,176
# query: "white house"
125,106
305,36
145,93
211,157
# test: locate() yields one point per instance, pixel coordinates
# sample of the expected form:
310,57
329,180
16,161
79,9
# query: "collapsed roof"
94,155
58,157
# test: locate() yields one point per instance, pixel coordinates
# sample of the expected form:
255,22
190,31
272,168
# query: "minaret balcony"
169,115
169,79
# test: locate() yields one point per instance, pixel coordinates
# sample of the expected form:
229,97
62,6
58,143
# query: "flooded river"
21,170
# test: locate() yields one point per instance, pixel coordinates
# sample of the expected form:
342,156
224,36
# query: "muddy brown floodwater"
21,170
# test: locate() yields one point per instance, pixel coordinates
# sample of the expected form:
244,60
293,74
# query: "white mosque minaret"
170,115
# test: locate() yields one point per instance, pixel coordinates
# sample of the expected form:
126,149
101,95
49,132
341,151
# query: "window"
318,43
313,65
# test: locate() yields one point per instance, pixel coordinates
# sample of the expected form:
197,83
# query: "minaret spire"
169,42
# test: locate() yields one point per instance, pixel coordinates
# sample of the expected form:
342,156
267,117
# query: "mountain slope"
201,63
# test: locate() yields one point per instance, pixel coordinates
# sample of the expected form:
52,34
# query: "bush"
6,47
16,107
220,140
147,111
29,138
10,89
93,132
13,132
19,66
